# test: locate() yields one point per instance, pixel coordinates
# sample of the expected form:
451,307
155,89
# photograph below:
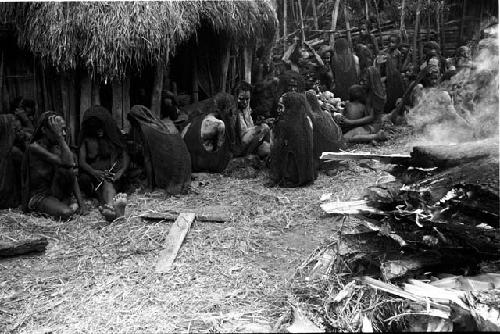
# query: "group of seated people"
40,171
372,80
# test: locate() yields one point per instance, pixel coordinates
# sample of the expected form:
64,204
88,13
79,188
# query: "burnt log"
446,156
10,249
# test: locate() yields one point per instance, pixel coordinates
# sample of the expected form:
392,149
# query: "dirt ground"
228,277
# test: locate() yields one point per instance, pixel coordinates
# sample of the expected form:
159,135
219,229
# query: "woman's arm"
125,162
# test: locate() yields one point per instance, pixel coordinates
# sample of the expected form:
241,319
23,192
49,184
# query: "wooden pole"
195,79
428,38
126,103
347,26
1,82
65,104
285,18
378,22
402,26
301,18
315,14
367,10
44,88
247,55
117,109
225,67
462,23
415,34
157,88
85,94
335,15
442,26
73,119
96,94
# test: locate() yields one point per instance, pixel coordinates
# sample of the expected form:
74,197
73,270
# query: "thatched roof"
110,38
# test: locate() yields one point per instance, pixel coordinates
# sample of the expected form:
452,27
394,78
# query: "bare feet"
120,203
108,212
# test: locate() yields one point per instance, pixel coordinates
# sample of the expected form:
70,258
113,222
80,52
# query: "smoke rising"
466,107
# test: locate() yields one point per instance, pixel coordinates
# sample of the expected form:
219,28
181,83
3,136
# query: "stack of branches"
428,258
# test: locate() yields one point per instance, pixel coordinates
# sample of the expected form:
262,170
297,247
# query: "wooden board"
350,208
9,249
386,158
172,215
174,241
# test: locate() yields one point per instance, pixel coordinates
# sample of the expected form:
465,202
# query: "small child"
358,121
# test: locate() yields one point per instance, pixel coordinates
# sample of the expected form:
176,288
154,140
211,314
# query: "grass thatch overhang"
111,38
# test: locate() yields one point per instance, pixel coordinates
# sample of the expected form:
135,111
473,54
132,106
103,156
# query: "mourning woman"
103,161
345,67
49,171
12,145
292,160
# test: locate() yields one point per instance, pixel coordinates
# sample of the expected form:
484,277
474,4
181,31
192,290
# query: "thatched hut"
68,56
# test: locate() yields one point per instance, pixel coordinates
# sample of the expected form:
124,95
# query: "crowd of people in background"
313,102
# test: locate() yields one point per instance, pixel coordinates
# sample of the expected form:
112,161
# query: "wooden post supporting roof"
402,26
157,88
301,18
1,81
85,94
125,103
96,94
66,112
117,108
225,66
247,56
348,27
195,79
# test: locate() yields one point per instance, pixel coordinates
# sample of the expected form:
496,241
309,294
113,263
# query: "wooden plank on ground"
385,158
174,241
210,214
350,208
8,249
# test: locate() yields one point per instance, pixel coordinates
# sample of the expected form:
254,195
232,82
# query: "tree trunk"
285,18
415,34
315,14
367,10
85,94
301,18
438,27
157,88
335,15
442,26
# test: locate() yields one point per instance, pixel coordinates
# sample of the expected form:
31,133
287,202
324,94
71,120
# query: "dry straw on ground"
97,277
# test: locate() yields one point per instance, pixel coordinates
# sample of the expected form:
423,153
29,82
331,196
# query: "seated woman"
49,171
103,161
210,135
12,147
169,112
359,122
292,159
164,154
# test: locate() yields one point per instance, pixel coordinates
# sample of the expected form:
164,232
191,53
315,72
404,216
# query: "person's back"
354,110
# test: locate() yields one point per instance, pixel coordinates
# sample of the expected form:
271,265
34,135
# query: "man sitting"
358,120
49,171
254,138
